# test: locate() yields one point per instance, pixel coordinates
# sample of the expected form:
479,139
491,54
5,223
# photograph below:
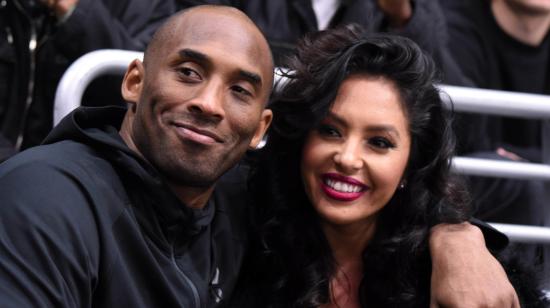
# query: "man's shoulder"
65,179
35,187
66,156
65,170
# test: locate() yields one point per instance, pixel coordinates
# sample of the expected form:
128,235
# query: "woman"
354,174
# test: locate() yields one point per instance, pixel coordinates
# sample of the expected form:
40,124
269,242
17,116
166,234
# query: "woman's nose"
349,157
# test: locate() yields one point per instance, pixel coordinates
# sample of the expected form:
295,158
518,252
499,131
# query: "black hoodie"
85,222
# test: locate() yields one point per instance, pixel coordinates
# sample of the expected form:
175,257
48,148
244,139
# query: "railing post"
546,220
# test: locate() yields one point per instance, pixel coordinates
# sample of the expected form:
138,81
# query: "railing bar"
494,102
497,102
523,233
501,169
81,73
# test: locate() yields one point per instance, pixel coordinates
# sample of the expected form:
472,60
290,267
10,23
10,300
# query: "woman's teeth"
342,187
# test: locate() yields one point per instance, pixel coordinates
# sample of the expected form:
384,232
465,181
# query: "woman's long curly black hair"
292,264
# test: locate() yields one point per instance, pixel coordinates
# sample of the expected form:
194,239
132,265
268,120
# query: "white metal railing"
85,69
114,61
524,234
501,169
502,103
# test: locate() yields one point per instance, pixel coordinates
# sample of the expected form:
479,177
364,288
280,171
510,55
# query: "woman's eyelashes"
381,143
377,141
328,131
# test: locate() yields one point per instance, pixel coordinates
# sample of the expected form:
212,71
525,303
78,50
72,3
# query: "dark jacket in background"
85,222
284,22
35,50
490,58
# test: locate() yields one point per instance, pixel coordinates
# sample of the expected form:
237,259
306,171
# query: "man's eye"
329,131
241,91
381,143
188,73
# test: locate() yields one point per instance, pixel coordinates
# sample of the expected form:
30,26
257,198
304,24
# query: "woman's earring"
402,184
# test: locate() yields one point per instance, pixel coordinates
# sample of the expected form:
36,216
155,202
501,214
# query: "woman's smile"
342,188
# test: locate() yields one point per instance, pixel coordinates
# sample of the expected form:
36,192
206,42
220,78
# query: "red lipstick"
335,185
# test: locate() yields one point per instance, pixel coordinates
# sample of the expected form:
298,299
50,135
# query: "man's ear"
265,121
132,84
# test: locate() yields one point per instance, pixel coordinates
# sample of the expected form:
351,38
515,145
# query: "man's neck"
526,26
193,197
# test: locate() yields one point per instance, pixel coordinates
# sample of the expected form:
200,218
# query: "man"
505,45
120,209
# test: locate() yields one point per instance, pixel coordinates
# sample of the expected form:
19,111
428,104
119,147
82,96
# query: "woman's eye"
381,143
329,131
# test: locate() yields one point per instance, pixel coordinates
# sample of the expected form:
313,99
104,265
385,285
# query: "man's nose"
209,102
349,157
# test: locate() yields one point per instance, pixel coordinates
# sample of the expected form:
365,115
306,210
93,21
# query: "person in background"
127,207
39,39
504,45
358,156
284,22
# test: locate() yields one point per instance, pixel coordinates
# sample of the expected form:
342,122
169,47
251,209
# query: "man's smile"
198,135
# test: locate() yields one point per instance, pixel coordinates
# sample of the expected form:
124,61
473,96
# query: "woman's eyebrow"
384,128
336,118
380,128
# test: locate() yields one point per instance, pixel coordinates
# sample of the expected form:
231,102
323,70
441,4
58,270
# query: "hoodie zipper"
189,282
33,46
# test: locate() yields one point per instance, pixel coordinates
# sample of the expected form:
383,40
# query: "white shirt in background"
324,11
